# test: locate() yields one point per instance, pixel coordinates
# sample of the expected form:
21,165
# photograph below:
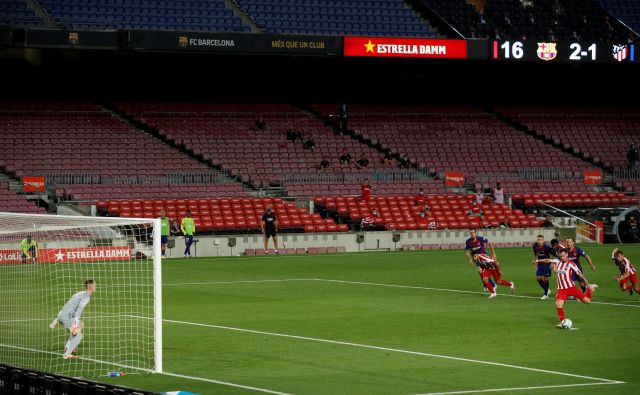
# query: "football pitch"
388,323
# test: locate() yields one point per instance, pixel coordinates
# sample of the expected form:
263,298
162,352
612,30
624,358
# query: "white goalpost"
46,259
586,232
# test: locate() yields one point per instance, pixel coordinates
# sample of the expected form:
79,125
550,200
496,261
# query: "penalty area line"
396,350
170,374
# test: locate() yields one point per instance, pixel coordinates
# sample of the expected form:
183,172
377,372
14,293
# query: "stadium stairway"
554,143
40,11
608,179
12,201
331,120
194,153
244,16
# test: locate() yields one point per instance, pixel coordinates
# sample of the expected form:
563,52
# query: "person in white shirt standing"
498,194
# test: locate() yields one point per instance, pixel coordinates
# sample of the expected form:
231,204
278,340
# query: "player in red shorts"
565,270
488,267
628,277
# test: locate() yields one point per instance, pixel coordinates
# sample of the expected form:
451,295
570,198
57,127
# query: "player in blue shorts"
542,250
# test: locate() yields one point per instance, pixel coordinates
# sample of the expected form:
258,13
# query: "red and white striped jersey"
366,221
628,267
564,273
484,261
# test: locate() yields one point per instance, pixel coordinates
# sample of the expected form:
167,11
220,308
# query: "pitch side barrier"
510,51
24,381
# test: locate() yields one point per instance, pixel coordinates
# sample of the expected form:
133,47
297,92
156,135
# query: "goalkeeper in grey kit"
69,317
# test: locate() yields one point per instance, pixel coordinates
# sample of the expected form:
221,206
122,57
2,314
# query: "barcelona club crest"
547,51
183,41
74,38
620,52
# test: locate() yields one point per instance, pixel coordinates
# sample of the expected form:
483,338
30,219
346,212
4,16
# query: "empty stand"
360,17
550,20
223,214
574,200
225,135
13,202
78,139
454,138
16,13
400,212
628,11
354,188
583,130
196,15
101,191
531,186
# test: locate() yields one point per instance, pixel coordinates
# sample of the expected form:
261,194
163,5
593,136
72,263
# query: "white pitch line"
518,388
367,346
384,285
243,281
264,390
81,358
454,290
224,383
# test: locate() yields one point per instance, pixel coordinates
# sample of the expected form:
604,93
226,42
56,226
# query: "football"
566,323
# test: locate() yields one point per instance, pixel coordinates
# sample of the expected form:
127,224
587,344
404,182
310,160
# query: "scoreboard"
562,51
300,44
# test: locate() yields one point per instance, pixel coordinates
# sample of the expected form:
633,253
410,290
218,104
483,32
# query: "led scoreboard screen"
562,51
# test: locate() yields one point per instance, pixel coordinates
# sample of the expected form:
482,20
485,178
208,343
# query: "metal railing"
52,179
626,174
527,174
347,178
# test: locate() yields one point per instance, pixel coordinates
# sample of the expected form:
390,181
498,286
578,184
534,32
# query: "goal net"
46,259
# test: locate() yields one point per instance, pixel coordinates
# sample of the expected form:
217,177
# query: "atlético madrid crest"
547,51
620,52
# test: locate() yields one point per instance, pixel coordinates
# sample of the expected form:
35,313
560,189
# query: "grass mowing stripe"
81,358
454,290
519,388
391,350
150,371
243,281
382,285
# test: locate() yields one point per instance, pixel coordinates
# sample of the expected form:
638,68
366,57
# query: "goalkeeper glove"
75,328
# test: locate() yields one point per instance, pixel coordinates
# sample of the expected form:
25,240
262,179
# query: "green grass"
398,320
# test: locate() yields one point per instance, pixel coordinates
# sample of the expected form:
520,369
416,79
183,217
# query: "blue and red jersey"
574,255
543,251
477,246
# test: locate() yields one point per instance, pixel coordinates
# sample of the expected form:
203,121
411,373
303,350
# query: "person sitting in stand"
345,158
419,199
324,164
260,123
548,222
387,160
405,163
475,210
309,144
505,223
291,133
368,222
362,163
